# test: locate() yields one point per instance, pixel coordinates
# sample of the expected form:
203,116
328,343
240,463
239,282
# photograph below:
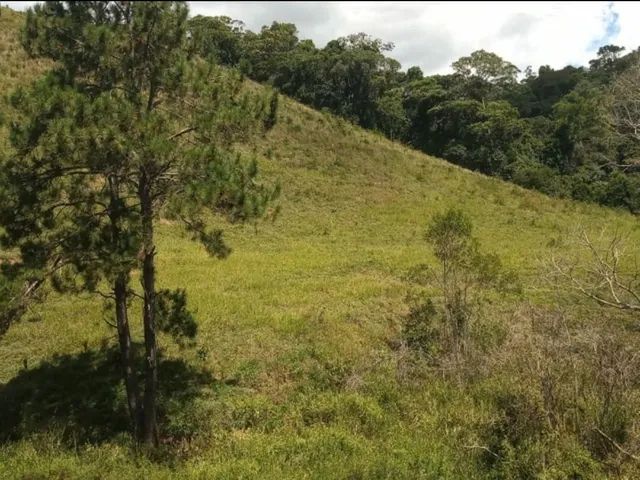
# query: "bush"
465,272
422,329
535,175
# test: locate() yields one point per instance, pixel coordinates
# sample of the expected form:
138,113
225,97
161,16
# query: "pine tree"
126,126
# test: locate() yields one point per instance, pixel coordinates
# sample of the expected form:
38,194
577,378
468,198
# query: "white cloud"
434,34
628,20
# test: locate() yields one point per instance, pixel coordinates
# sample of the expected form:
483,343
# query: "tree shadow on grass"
81,395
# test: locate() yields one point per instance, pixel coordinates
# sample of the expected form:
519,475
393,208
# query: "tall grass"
299,371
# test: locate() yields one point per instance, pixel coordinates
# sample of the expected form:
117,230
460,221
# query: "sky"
434,34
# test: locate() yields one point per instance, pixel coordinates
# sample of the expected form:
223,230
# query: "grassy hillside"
295,373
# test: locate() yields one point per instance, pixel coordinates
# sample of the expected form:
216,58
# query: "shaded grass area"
81,397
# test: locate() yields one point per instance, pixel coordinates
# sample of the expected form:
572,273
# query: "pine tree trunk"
122,320
126,355
149,313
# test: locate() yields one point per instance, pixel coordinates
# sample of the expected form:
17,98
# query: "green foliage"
65,118
301,324
537,94
499,139
127,124
272,115
610,62
421,329
551,458
535,175
583,132
264,52
621,189
450,234
487,66
173,317
462,274
19,290
392,118
480,117
218,39
414,73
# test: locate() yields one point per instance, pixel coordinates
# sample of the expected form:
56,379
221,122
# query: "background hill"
297,371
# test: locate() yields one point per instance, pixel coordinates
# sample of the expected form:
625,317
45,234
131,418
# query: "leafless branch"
482,447
182,132
601,277
625,103
617,446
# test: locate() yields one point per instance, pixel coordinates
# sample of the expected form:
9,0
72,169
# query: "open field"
294,373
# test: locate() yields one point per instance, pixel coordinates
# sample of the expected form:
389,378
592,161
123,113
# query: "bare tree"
625,103
624,108
609,274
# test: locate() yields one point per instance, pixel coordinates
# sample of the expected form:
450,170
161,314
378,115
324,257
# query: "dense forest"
552,130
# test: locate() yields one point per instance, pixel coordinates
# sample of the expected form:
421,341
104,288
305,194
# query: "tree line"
552,130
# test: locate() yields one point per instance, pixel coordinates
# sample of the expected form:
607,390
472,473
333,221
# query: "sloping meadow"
299,368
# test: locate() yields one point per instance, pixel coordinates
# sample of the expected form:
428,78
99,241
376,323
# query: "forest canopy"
550,130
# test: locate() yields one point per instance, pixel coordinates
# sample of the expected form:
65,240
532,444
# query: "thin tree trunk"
126,355
149,313
122,319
